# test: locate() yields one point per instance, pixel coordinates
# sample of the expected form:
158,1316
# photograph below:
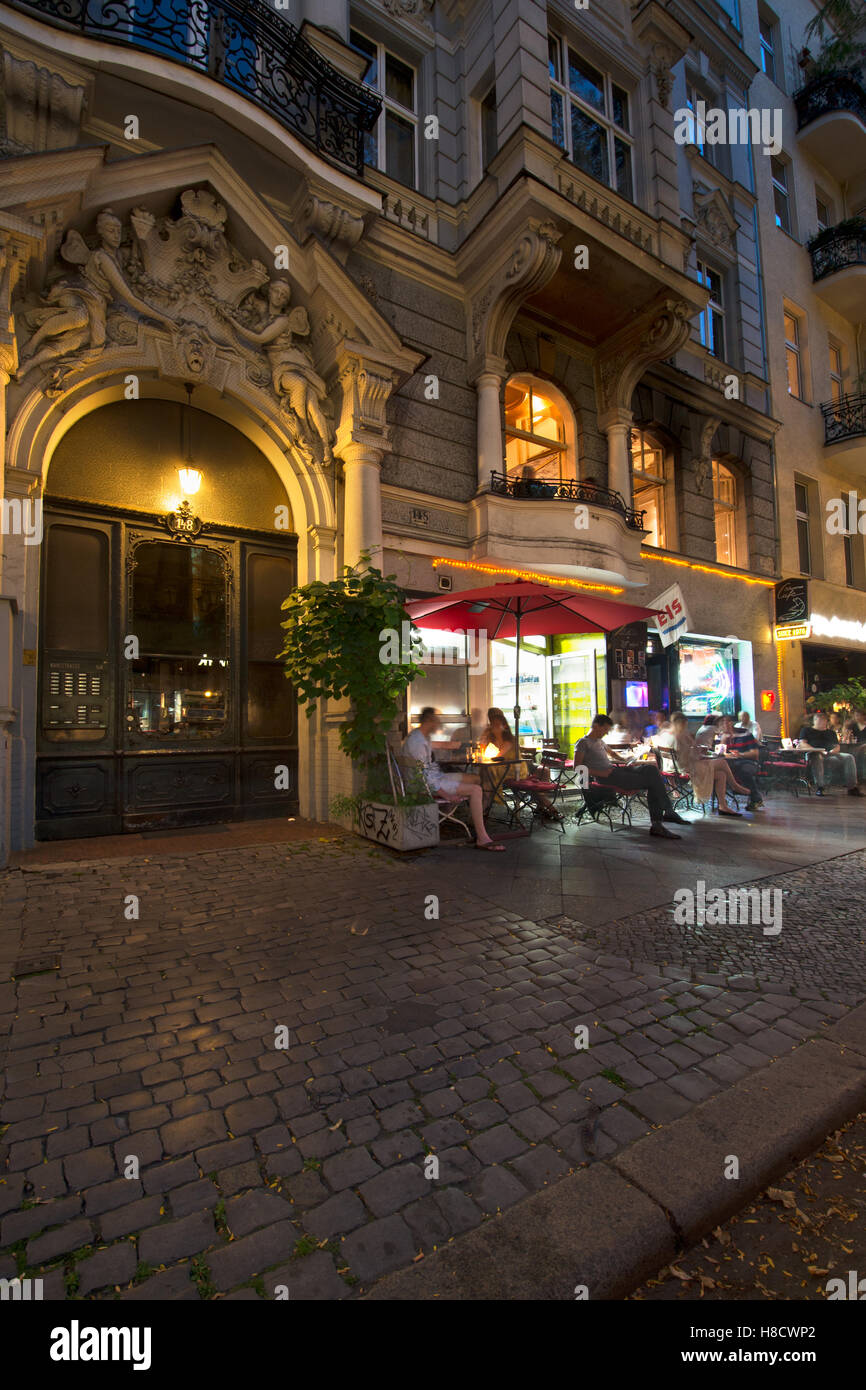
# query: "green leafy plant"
849,227
840,28
337,645
851,694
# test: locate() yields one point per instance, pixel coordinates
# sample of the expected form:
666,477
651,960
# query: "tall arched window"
726,507
650,477
539,432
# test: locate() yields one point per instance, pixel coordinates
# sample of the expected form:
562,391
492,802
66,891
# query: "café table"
494,772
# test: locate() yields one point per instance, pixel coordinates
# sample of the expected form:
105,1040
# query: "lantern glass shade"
190,480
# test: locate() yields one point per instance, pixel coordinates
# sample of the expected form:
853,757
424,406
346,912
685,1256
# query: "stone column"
616,425
488,385
362,499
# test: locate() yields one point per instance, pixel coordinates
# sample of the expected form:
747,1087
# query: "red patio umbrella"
502,610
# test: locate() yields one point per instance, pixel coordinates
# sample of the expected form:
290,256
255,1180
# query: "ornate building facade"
282,284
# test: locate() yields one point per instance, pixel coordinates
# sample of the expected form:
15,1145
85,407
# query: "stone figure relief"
218,309
73,319
295,380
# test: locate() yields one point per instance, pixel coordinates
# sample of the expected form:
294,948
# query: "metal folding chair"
447,803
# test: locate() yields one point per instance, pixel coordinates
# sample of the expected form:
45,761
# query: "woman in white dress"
706,773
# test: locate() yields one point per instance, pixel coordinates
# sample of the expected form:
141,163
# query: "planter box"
400,827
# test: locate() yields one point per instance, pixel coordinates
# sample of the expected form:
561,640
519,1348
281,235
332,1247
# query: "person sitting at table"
749,725
619,735
706,735
707,774
855,738
602,762
498,734
742,753
823,740
457,784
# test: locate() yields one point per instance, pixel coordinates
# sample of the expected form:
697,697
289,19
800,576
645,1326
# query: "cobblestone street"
261,1165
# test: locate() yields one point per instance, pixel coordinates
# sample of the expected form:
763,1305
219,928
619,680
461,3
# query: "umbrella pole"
517,680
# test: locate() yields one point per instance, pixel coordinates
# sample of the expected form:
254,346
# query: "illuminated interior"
648,473
725,509
536,447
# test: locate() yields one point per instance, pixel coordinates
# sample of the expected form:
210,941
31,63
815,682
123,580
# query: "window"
767,31
696,127
780,193
848,541
649,481
539,437
725,507
823,214
801,506
391,144
837,389
712,319
590,118
488,128
793,357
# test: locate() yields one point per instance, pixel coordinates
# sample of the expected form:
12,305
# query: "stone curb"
612,1225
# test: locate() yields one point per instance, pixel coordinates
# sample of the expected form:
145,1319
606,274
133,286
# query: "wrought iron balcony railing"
567,491
838,249
244,45
845,418
840,91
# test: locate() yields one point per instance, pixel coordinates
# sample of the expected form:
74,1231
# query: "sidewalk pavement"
424,1020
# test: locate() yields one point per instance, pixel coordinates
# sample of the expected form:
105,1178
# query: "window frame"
837,377
559,86
713,315
486,155
794,352
803,522
566,448
660,484
769,45
390,105
733,510
780,187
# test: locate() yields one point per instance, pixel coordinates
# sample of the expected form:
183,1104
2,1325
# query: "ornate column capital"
19,240
526,266
366,382
658,333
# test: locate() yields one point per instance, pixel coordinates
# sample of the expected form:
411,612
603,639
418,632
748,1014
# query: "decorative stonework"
330,222
659,333
409,9
714,217
43,110
215,307
531,263
663,59
702,465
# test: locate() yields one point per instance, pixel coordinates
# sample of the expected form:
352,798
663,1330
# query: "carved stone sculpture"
296,382
73,319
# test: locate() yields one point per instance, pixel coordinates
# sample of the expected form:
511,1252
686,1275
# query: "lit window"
712,318
391,144
590,118
536,440
836,388
768,48
793,357
725,505
648,475
801,508
779,171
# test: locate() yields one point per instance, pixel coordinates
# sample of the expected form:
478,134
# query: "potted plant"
840,27
850,695
352,638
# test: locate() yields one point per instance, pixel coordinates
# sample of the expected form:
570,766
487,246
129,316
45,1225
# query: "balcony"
545,531
243,45
568,491
845,421
831,124
839,268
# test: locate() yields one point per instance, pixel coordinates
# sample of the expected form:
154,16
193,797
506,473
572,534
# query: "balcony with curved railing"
839,268
831,123
568,490
845,419
245,46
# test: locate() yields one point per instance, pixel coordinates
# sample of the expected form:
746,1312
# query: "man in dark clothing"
742,758
856,731
828,753
603,762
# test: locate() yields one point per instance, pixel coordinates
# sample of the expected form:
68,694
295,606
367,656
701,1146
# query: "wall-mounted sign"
791,632
672,615
792,601
183,524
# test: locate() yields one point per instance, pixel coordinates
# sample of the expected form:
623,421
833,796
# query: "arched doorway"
161,699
